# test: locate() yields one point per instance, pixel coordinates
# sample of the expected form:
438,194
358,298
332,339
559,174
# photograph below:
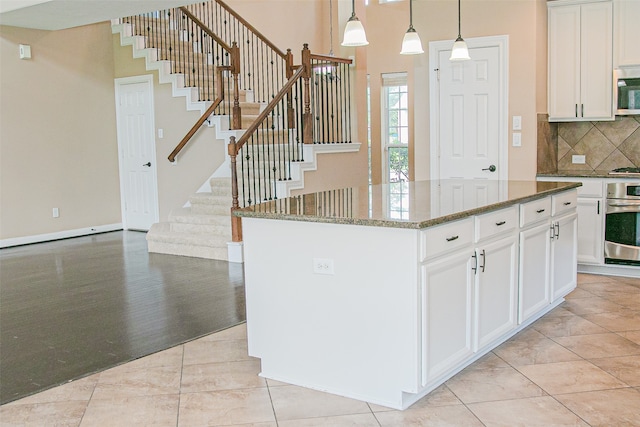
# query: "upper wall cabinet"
626,20
580,60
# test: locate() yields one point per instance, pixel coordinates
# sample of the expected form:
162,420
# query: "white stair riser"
201,228
212,209
220,253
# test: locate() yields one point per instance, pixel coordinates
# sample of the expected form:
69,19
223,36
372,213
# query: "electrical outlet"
578,159
56,213
323,266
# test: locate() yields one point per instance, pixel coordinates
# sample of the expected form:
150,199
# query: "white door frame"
118,83
435,47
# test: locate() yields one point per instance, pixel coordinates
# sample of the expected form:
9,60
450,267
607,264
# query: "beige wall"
289,23
524,21
200,157
57,131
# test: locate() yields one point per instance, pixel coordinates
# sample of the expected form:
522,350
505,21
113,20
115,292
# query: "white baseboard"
610,270
236,253
16,241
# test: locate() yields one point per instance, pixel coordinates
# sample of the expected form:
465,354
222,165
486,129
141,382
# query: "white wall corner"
235,252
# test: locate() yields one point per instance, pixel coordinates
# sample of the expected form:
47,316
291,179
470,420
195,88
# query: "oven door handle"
624,205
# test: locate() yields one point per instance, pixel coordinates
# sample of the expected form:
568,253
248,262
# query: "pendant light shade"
354,34
411,44
459,51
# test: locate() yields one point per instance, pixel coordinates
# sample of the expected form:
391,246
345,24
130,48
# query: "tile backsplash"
605,145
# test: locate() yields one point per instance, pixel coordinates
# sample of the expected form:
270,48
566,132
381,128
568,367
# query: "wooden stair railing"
257,64
307,104
312,107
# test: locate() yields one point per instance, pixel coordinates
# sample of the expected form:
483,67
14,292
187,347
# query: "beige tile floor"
577,366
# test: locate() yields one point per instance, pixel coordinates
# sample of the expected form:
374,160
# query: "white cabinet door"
580,38
564,61
596,57
590,236
625,33
535,250
446,319
496,290
563,255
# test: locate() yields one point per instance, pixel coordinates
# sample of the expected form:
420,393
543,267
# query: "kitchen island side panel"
355,332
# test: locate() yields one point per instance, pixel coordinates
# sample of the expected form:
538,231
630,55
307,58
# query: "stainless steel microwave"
626,91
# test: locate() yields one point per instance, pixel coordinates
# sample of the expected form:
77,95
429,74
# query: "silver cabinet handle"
475,263
484,260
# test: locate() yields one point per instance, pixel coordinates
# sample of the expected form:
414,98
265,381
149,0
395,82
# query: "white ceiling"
61,14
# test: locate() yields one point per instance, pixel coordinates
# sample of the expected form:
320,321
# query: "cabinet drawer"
535,211
564,202
498,222
591,188
441,239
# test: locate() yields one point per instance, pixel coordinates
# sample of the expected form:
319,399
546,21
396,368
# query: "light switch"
517,122
25,51
517,139
160,133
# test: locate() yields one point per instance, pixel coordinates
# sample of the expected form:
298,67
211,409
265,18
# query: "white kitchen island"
382,293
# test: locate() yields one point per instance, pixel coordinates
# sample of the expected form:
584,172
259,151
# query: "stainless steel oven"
622,224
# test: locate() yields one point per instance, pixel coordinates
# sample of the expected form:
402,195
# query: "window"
395,127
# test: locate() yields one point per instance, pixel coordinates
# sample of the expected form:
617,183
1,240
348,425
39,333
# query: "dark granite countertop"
414,205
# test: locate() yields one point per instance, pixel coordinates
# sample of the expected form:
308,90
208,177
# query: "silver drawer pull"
452,238
501,223
540,210
567,203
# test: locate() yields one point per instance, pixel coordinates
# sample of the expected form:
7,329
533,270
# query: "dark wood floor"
73,307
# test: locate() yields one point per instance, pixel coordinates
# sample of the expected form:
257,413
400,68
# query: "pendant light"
354,34
411,44
459,52
329,69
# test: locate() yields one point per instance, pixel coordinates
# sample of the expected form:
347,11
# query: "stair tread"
161,232
185,215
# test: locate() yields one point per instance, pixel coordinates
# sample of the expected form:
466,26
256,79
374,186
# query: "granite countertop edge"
406,224
578,174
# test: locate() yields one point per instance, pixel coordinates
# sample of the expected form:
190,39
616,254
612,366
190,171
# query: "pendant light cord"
331,27
411,14
459,32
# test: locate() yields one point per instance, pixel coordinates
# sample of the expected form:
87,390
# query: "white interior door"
137,154
469,133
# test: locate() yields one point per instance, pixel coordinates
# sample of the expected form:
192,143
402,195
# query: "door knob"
491,168
148,164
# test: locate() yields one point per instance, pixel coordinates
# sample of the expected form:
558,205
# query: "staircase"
202,228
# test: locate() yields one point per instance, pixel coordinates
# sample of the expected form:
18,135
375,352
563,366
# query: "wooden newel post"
236,222
235,72
307,118
291,116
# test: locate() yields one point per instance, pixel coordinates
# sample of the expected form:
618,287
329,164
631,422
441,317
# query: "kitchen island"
382,293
